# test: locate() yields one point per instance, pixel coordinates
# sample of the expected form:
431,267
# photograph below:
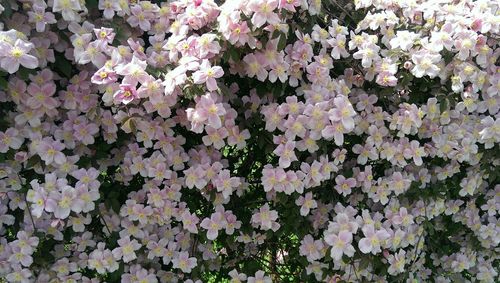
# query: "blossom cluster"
249,141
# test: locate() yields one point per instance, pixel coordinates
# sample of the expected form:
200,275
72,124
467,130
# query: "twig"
29,212
355,271
103,220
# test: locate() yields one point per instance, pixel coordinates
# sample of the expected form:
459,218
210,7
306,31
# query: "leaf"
276,33
117,274
24,73
282,42
63,66
445,105
233,54
129,125
3,83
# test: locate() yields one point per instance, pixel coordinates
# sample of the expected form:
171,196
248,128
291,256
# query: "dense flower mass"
249,141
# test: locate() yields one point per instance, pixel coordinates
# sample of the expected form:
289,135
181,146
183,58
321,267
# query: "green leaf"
63,66
445,105
117,274
282,42
3,83
276,33
233,54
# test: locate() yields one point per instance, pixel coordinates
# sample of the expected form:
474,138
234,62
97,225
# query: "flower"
208,74
259,278
11,56
266,218
264,12
425,64
213,224
343,112
344,185
125,94
126,250
306,203
10,139
341,244
183,262
373,239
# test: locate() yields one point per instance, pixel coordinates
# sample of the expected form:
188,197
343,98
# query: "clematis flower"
343,112
264,12
306,203
286,152
126,249
50,151
310,248
344,185
125,94
10,139
259,277
266,218
341,244
11,56
183,262
210,111
213,224
225,183
425,64
208,74
373,239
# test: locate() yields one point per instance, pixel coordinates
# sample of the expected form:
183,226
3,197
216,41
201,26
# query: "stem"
29,212
103,220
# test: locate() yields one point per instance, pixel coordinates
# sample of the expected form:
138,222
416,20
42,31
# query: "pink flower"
25,242
215,137
208,74
425,64
343,112
341,244
85,132
38,197
310,248
271,178
87,178
373,239
126,94
213,224
18,256
266,218
404,40
41,96
189,222
307,203
207,109
259,278
183,262
344,185
104,76
109,7
126,250
237,33
416,152
286,152
263,12
64,202
10,139
255,66
386,79
11,56
397,262
50,151
40,17
225,183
